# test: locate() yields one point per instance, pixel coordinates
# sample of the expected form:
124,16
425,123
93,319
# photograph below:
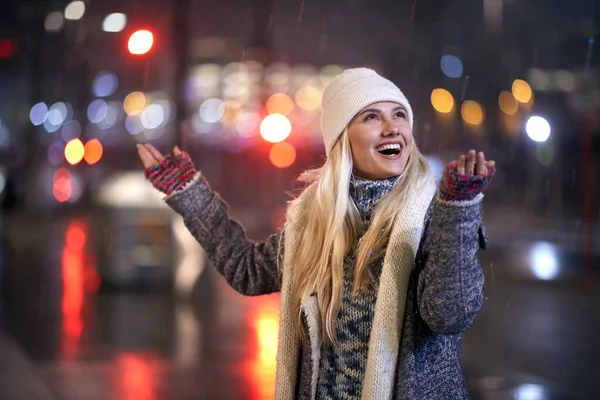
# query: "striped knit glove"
172,173
456,187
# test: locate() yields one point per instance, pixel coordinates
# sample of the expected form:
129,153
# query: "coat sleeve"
250,268
450,285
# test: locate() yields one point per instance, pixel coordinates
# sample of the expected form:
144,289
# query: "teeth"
388,146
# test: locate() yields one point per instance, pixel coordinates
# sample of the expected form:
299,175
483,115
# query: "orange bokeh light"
282,155
93,151
279,103
140,42
74,151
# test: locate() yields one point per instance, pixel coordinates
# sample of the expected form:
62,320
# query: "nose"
391,129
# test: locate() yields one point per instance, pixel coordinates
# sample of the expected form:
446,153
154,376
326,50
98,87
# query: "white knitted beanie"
350,92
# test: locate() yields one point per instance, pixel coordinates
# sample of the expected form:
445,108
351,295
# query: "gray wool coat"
445,289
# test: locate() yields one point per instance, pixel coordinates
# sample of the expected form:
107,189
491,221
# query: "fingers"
176,151
147,158
480,166
460,165
155,153
470,165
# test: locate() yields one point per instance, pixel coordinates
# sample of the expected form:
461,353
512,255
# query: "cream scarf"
386,332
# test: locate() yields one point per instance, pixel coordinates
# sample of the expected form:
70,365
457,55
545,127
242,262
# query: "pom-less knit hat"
350,92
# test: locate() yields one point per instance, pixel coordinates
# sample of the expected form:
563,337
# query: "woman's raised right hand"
166,173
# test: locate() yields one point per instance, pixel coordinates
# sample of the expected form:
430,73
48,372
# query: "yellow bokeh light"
74,151
309,98
134,103
521,91
442,100
279,103
231,110
282,155
507,103
275,128
472,112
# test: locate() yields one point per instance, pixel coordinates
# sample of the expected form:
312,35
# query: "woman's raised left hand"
473,163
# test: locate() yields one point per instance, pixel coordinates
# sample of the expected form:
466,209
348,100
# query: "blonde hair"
332,225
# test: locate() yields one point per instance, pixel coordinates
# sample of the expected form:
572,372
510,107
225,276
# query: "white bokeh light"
544,261
115,22
38,114
97,111
153,116
105,84
75,10
54,21
211,110
538,129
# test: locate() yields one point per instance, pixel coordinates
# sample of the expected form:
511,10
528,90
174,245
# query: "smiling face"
380,138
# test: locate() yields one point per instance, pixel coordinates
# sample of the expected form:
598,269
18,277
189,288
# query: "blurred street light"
442,100
522,91
472,112
538,129
115,22
74,151
75,10
140,42
282,155
275,128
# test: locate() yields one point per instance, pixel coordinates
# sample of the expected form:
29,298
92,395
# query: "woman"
377,270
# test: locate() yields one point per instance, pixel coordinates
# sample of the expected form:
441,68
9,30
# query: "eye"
371,116
401,114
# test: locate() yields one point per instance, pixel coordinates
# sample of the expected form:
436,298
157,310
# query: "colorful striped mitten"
172,173
454,186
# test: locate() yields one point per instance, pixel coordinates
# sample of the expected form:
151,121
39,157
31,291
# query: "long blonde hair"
332,225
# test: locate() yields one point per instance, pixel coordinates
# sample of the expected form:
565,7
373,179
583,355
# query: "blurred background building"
238,84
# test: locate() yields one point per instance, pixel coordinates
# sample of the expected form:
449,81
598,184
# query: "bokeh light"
97,111
75,10
472,112
275,128
133,124
54,21
140,42
507,103
538,129
309,98
74,151
115,22
134,103
57,114
248,123
38,114
105,84
451,66
282,155
93,151
544,262
279,103
153,116
442,100
231,110
114,113
56,153
211,110
521,91
62,188
71,130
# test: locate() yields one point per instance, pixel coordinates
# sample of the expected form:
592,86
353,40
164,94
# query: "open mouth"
391,150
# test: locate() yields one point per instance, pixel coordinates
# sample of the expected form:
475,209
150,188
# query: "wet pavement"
66,337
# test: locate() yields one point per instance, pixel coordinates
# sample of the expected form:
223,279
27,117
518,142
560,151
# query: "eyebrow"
378,111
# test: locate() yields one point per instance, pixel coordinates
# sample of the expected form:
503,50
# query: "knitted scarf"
388,318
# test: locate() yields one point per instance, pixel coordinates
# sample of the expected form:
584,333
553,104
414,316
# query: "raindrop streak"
588,58
301,14
463,96
412,10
